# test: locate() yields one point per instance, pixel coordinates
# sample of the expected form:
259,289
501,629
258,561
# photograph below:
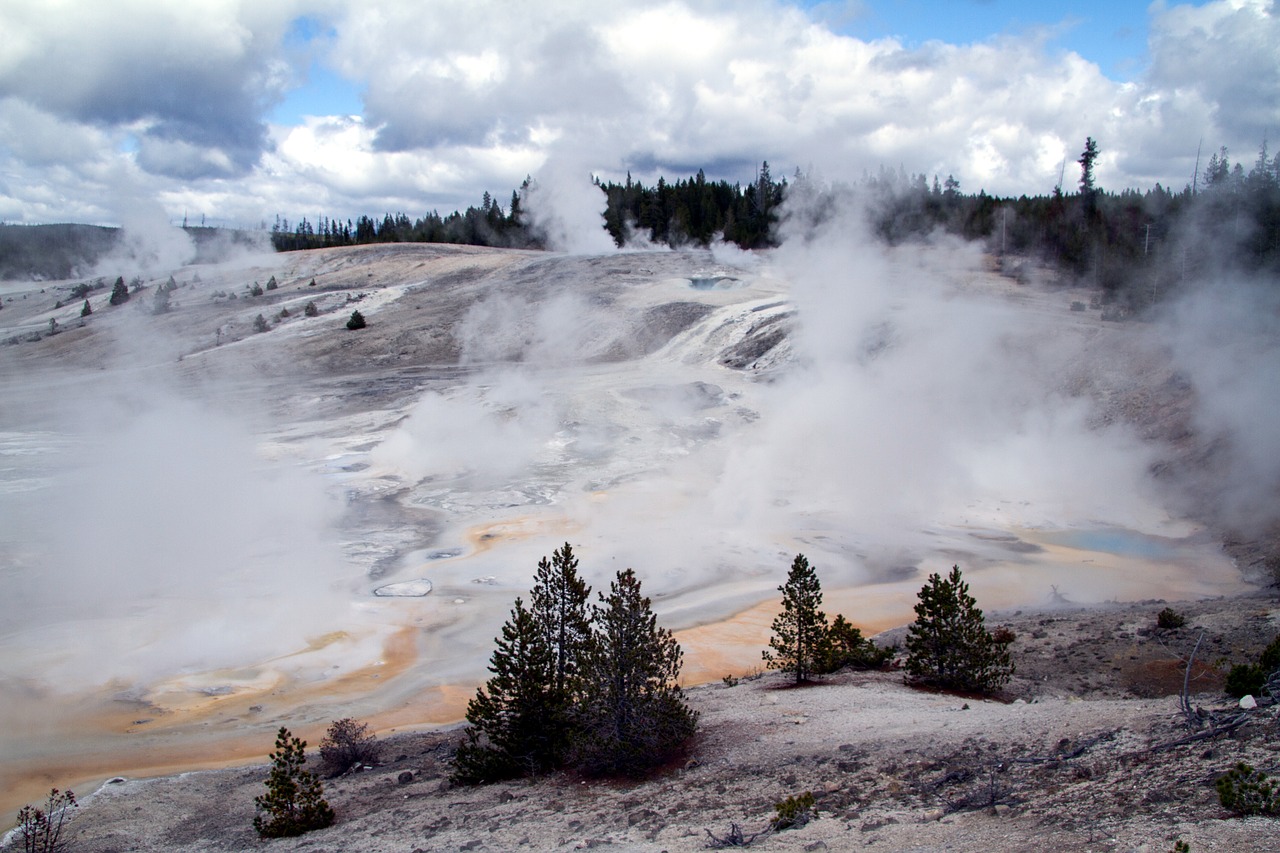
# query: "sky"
236,112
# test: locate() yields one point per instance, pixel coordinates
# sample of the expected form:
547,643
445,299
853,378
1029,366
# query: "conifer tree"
949,646
508,735
559,603
633,714
800,634
119,292
294,802
357,321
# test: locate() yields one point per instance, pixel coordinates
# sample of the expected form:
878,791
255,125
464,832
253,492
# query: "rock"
405,777
817,845
1248,703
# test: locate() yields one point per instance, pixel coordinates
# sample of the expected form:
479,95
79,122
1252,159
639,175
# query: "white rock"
1248,702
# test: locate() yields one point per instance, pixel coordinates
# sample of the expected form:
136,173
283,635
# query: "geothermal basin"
196,518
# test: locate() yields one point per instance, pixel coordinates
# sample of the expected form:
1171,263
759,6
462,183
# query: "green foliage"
632,716
794,812
119,293
356,321
41,828
86,309
271,283
160,300
347,744
294,802
1245,679
260,324
1180,846
256,290
508,736
1169,619
847,647
311,310
800,640
1246,791
559,602
1250,679
949,646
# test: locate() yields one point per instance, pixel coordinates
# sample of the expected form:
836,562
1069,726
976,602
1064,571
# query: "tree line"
1134,246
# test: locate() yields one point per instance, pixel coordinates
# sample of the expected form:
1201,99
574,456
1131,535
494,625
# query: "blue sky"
242,112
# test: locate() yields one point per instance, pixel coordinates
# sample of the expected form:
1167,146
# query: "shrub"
1246,791
847,647
356,321
1250,679
794,812
1245,679
347,744
311,310
260,324
271,283
86,309
41,829
256,290
294,802
949,646
1168,619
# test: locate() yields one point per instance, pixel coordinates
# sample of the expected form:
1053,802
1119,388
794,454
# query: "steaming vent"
714,282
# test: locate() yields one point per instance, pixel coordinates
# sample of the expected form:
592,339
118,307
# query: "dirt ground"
1072,755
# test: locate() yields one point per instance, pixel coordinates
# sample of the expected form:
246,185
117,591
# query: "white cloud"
462,97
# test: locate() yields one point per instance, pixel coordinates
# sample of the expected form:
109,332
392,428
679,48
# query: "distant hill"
40,252
52,251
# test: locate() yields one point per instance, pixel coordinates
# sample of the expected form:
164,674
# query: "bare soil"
1071,756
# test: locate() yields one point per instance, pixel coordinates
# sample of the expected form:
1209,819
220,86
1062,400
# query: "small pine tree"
800,634
86,310
256,290
272,284
260,324
356,321
119,293
949,646
311,310
633,715
508,735
294,802
847,647
160,301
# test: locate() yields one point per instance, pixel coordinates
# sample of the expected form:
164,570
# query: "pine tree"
86,309
633,716
356,322
508,735
949,646
119,293
559,603
294,802
800,634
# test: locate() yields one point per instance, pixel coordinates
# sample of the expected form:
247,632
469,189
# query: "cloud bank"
458,98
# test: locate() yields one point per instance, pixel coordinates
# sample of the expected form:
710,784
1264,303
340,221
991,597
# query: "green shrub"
847,647
311,310
294,802
356,321
1168,619
794,812
1245,679
1246,791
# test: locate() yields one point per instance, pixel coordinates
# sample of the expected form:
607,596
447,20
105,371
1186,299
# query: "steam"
1225,339
149,245
161,541
567,208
